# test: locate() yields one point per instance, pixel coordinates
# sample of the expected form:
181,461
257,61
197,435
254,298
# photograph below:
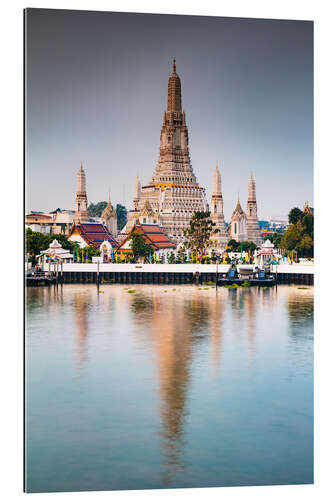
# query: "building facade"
238,224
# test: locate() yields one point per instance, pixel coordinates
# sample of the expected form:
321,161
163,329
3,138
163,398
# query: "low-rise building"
54,253
267,254
38,221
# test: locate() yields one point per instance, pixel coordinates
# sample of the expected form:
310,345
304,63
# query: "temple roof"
108,210
154,236
147,210
94,234
238,212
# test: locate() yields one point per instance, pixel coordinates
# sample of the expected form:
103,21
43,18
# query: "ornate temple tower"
109,218
81,214
216,211
251,212
238,225
173,193
137,193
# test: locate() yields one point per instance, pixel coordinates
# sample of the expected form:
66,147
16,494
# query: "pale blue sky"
97,90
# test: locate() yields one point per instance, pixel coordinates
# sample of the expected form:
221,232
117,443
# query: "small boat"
39,278
248,275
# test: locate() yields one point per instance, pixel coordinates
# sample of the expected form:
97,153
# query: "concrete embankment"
166,273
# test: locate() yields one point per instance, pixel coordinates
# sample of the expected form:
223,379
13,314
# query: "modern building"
40,222
174,193
62,221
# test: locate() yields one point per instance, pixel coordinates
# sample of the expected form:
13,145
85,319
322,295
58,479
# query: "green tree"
171,258
233,245
305,246
198,235
35,242
121,212
308,224
295,215
292,237
181,256
274,238
96,210
139,246
299,236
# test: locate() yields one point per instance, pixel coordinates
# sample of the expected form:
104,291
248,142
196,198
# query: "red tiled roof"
155,236
94,234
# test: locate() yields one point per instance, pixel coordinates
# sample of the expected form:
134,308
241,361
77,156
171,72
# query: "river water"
166,387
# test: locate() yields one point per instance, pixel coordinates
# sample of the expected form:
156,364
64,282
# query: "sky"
96,90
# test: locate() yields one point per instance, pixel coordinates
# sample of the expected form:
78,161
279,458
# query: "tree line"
96,210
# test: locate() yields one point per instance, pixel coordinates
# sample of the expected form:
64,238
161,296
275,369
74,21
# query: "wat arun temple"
173,195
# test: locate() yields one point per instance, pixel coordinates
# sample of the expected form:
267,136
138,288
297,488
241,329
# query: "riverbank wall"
166,273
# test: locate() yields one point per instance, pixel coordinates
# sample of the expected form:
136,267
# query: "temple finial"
109,197
174,65
217,165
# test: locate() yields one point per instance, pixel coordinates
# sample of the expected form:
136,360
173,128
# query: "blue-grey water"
168,387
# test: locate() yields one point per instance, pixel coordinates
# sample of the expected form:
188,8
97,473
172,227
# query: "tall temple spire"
173,191
137,193
216,210
217,189
174,91
174,66
251,213
81,214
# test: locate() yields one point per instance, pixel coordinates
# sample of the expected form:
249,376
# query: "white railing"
145,268
168,268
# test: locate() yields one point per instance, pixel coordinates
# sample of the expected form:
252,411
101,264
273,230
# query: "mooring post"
97,280
216,274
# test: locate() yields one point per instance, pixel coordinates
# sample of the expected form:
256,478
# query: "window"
235,228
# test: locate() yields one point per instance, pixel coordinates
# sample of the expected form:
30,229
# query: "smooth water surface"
168,387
